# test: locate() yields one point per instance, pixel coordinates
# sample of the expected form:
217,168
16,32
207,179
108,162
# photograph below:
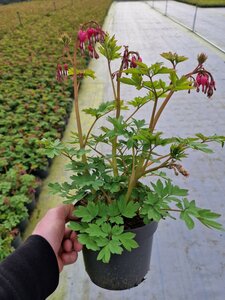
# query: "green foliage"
128,210
87,213
13,210
179,84
143,77
82,73
32,105
205,216
51,148
109,48
174,58
160,202
87,181
102,110
135,80
5,242
214,138
16,181
139,101
157,202
194,143
101,227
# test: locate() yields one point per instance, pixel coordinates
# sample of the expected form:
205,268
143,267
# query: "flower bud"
202,57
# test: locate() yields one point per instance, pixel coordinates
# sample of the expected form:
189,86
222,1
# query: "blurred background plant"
32,106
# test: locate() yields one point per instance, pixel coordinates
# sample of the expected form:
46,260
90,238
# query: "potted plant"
17,197
13,210
117,211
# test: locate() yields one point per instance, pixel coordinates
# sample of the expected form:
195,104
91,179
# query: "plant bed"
17,191
32,106
6,240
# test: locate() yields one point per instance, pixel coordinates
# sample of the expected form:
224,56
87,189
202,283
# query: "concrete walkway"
186,265
208,22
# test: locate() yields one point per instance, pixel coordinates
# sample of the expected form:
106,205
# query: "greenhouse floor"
185,265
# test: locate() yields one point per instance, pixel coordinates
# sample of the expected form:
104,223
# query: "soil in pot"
126,270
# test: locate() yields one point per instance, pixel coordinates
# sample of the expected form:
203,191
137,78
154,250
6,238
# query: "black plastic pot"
17,241
41,173
31,205
126,270
37,193
23,225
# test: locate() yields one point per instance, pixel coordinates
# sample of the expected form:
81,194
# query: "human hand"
62,240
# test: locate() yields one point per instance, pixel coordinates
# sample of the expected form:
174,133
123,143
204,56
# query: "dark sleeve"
30,272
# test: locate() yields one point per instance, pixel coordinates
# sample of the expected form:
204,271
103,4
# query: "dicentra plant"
106,186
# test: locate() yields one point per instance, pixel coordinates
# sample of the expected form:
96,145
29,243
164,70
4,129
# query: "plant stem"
153,114
118,91
92,126
135,111
101,154
114,142
156,118
123,162
163,165
147,163
140,170
110,74
114,161
155,104
170,209
76,103
106,196
67,155
89,131
133,179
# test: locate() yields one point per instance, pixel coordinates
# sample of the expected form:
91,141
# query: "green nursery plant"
30,100
31,106
6,239
109,162
17,191
13,210
16,181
